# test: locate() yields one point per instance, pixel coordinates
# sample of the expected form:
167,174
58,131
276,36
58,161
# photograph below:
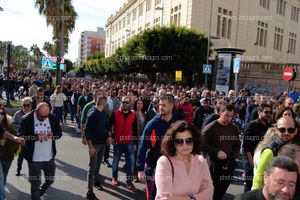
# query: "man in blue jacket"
151,140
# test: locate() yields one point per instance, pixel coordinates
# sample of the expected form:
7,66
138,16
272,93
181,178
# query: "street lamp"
162,14
208,42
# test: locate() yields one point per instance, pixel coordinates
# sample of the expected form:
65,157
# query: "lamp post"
162,14
57,40
8,56
208,42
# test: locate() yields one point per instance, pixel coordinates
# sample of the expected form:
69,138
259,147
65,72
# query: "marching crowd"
182,142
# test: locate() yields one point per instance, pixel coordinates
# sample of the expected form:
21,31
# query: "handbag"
172,168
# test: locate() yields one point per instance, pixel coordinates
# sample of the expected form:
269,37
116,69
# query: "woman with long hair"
181,172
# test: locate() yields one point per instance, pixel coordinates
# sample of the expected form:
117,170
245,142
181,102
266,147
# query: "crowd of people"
169,134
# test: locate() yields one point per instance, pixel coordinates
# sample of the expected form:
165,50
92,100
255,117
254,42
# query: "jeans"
106,153
127,149
5,168
248,174
58,112
35,170
151,187
2,188
20,162
94,166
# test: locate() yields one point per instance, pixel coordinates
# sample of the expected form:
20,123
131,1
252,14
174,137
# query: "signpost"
178,75
289,75
207,68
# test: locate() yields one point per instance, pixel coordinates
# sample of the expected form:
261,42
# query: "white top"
42,150
57,100
256,158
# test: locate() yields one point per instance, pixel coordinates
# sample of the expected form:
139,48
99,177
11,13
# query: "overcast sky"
21,23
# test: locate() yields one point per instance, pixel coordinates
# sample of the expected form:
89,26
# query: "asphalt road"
71,176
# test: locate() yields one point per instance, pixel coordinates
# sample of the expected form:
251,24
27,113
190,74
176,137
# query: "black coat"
27,130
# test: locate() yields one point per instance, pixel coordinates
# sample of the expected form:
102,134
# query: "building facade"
90,42
268,30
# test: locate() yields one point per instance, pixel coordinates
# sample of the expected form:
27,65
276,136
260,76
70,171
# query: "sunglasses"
289,130
2,113
26,105
125,102
267,112
187,141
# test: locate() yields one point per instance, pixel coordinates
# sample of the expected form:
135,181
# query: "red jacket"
188,112
123,132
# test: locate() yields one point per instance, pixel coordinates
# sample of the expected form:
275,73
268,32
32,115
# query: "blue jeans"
151,187
248,174
127,149
2,189
58,112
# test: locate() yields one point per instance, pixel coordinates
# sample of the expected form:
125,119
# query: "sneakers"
107,164
98,186
91,196
115,182
131,187
42,192
18,173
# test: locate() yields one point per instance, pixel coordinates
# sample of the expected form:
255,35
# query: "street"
71,176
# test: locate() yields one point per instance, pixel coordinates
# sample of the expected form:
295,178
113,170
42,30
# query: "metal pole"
62,31
288,88
7,73
208,42
235,82
57,39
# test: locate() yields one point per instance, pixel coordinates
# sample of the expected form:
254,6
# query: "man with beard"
125,131
284,133
253,133
280,181
222,146
202,112
149,146
188,108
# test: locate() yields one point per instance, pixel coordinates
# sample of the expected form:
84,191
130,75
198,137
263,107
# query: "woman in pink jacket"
181,173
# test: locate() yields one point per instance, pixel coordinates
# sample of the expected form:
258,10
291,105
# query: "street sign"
47,63
178,75
288,74
207,68
236,65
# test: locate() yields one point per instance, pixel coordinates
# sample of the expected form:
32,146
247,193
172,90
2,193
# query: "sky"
21,23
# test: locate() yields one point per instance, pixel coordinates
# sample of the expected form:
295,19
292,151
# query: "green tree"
49,48
37,54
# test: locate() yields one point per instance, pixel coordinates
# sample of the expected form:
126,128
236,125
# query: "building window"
264,3
262,32
281,5
124,22
295,14
140,29
157,2
176,15
147,25
134,14
292,43
128,19
141,10
119,25
156,21
148,5
224,23
278,39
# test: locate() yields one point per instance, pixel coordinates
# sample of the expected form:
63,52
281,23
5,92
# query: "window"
157,2
224,23
147,25
292,43
141,9
278,39
124,22
128,19
148,5
119,25
134,14
281,5
295,14
264,3
140,29
176,15
261,36
156,21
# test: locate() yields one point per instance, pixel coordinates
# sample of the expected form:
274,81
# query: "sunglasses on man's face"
284,130
2,113
267,112
26,105
187,141
125,102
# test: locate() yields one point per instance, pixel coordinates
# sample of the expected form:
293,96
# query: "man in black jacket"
40,129
98,134
253,133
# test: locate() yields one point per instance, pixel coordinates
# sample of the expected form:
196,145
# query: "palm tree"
67,21
37,54
49,48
